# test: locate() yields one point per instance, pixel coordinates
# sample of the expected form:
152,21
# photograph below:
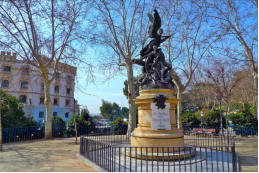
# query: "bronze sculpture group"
155,70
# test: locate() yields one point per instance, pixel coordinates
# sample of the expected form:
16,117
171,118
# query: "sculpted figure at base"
155,70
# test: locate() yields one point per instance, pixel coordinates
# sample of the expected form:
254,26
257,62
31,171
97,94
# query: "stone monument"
156,103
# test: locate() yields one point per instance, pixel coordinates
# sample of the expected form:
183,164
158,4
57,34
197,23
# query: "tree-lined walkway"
247,149
57,155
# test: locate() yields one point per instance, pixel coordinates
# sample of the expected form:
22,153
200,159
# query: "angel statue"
154,32
155,70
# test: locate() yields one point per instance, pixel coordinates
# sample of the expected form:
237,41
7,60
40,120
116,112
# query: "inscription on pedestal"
160,117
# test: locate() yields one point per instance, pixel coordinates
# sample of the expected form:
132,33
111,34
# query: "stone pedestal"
143,135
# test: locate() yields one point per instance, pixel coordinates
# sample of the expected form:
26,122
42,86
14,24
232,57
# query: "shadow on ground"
56,155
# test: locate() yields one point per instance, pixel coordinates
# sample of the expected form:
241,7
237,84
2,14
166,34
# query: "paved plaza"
57,155
247,149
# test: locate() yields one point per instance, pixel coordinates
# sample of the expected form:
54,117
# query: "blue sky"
89,93
92,95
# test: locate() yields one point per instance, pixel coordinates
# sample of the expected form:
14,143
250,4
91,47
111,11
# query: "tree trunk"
75,124
255,75
132,107
1,137
227,108
179,108
48,107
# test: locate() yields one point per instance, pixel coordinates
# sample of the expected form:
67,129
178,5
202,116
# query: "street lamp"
202,114
219,97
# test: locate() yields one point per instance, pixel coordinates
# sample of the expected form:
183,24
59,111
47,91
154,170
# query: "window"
66,114
57,76
23,98
41,100
25,70
55,101
67,102
56,89
55,113
41,114
68,78
68,91
42,87
5,84
7,69
24,84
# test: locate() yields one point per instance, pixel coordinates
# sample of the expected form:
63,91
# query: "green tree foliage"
125,112
189,119
82,120
112,111
12,113
126,91
85,115
106,109
119,126
212,119
57,121
71,121
245,118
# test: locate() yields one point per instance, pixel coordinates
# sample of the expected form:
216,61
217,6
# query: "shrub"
246,118
13,114
189,119
212,119
81,122
204,110
119,126
58,122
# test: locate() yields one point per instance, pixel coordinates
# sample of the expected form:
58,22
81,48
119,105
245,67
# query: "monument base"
166,155
144,135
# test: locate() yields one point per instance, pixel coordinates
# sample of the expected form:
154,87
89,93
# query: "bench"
202,130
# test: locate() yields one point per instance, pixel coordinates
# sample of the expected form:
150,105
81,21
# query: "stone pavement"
58,155
247,149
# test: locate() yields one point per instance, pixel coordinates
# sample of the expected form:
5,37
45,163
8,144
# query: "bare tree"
1,127
43,34
244,92
123,33
223,78
237,21
187,23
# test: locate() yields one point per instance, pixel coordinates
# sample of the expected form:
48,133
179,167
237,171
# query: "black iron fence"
30,133
234,130
208,140
243,131
22,133
208,153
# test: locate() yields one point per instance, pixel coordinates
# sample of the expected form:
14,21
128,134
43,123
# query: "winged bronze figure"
155,70
154,32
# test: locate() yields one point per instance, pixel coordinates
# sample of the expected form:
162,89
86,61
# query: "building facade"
25,83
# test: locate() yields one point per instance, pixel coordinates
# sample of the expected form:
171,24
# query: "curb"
90,163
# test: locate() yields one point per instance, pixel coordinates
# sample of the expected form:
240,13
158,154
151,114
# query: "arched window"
23,98
56,89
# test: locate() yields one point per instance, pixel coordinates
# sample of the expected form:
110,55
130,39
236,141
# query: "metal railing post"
234,162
